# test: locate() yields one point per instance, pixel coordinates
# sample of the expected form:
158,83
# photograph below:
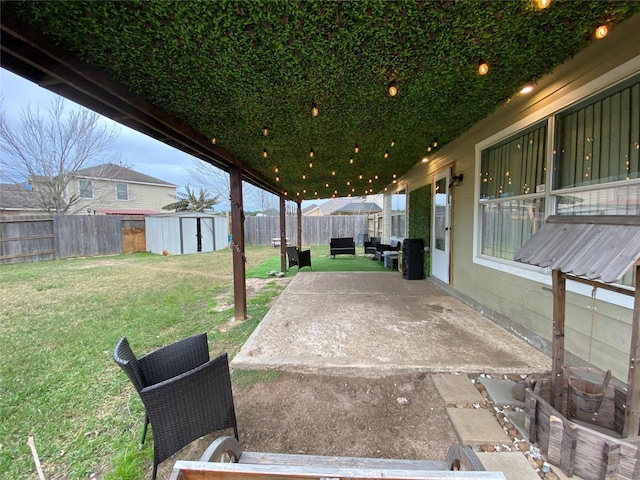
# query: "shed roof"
596,247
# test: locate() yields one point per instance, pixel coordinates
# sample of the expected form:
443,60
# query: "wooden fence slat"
315,230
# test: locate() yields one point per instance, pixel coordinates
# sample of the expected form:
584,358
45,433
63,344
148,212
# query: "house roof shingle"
17,197
110,171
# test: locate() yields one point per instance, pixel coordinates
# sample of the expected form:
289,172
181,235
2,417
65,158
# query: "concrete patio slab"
456,389
514,465
476,426
370,323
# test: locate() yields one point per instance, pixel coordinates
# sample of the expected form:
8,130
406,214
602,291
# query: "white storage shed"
186,232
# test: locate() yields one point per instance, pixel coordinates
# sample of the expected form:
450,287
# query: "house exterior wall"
140,196
597,331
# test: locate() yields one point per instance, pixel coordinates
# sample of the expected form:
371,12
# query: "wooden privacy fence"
315,230
30,239
34,238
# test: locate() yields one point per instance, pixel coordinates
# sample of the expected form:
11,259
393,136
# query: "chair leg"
144,431
155,471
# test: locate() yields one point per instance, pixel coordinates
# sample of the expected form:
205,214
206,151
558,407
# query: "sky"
142,153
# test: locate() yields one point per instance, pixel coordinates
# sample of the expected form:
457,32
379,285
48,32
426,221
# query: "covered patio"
376,324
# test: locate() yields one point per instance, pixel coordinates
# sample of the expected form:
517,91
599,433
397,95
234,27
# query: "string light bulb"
393,90
386,154
356,149
310,164
393,143
333,172
304,176
351,161
276,169
543,3
601,31
314,109
213,140
264,153
311,153
265,131
483,69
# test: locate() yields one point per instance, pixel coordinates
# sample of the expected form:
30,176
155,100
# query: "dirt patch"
400,416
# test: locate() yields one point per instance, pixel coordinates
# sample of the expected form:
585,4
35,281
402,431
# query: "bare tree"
216,181
45,150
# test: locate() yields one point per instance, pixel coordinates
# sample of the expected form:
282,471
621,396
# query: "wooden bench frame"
224,459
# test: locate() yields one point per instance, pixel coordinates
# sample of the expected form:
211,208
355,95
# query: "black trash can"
412,252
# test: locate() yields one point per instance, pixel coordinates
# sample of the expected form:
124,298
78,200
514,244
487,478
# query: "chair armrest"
172,360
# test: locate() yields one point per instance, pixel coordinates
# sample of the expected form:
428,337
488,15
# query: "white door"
441,227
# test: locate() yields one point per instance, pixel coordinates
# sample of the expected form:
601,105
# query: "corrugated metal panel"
591,247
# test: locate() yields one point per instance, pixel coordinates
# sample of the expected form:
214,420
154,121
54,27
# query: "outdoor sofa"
342,246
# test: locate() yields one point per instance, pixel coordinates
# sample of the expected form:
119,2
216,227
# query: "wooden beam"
237,244
283,236
557,359
601,285
632,413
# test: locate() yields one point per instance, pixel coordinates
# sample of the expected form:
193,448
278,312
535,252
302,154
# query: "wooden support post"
237,244
283,236
569,444
611,460
556,439
557,359
300,225
530,420
632,413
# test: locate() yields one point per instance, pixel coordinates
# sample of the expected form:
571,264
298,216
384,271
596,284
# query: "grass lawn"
59,323
320,262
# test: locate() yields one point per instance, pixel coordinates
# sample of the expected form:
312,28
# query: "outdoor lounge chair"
370,245
185,394
301,258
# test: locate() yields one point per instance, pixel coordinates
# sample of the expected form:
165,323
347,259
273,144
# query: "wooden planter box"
577,449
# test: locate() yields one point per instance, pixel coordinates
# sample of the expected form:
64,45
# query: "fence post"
56,236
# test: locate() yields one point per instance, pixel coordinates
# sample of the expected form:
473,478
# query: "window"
597,141
594,170
512,190
398,214
85,187
122,191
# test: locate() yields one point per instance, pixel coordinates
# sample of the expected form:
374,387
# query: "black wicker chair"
370,245
301,258
185,394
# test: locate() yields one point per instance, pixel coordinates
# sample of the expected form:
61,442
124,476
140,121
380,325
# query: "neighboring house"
346,206
572,146
115,190
365,208
16,199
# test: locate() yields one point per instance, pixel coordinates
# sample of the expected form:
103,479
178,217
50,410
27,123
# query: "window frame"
616,78
126,185
82,190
